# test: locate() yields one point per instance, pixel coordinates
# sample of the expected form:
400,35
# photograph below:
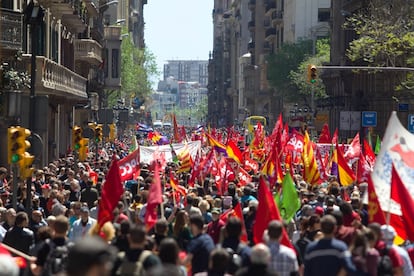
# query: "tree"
385,37
280,65
299,76
138,68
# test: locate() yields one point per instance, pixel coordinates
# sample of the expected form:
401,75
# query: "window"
324,15
115,63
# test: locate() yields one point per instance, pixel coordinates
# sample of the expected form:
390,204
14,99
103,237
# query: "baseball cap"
388,233
215,211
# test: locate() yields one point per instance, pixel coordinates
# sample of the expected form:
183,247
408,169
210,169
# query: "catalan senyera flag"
341,169
185,159
234,152
310,171
219,147
176,187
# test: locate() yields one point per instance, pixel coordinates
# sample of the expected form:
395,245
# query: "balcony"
270,34
277,17
72,13
11,30
55,79
270,7
88,50
112,33
252,4
251,25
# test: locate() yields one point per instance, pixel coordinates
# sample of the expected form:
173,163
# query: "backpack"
129,268
236,260
57,258
385,267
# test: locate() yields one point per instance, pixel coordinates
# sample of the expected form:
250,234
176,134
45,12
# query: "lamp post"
33,16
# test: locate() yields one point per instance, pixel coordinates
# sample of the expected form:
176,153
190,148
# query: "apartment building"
187,71
75,58
245,33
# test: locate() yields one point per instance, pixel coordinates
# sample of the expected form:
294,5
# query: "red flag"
250,164
196,170
234,152
237,212
266,212
325,136
154,198
295,142
176,135
364,169
400,194
111,193
369,154
354,149
129,165
335,137
244,177
375,213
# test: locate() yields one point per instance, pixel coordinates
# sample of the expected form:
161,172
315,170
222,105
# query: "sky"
178,29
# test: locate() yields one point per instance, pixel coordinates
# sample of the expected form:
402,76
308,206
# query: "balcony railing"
72,13
56,79
112,33
10,29
88,50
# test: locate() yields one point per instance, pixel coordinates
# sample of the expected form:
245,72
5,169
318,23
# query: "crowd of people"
329,235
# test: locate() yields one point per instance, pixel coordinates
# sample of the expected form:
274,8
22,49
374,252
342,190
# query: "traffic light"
12,145
76,137
26,169
98,133
312,73
112,132
17,143
83,149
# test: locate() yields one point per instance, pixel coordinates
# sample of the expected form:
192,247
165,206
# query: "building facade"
245,33
75,57
187,71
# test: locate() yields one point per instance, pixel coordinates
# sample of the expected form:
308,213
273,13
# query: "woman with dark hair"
168,253
180,230
364,256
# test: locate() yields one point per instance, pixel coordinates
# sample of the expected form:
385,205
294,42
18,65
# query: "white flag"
397,147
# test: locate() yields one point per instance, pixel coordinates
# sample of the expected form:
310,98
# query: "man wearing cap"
388,233
81,226
214,227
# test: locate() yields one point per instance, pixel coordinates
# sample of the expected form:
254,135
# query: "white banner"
397,147
147,153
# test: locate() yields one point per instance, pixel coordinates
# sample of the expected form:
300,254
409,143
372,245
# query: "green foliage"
384,32
385,37
280,64
138,67
299,76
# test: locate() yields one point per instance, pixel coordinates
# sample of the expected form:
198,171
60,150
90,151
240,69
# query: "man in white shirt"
81,226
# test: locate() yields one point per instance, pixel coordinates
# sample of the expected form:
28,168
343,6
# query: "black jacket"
20,238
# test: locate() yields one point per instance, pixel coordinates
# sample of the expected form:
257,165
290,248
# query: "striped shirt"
327,257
